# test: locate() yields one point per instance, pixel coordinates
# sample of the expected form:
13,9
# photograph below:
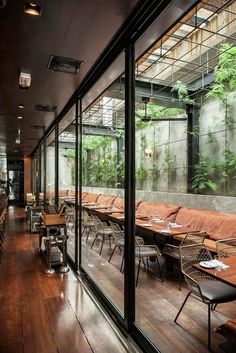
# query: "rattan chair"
118,234
226,247
204,287
145,252
89,224
173,251
105,232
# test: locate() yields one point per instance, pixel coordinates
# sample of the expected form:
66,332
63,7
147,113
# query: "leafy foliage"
182,92
225,80
155,112
141,173
202,175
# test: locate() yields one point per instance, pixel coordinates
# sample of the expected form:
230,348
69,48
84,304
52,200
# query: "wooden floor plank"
41,313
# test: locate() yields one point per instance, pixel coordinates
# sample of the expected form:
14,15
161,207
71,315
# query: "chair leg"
185,300
103,239
180,274
209,326
112,253
159,269
122,263
94,241
138,272
214,306
88,233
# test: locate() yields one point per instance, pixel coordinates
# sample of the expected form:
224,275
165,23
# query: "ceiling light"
33,9
21,106
20,117
24,80
18,137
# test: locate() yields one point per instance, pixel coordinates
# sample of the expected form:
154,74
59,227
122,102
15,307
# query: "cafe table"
227,275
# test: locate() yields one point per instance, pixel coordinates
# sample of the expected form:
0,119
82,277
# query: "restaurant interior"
142,166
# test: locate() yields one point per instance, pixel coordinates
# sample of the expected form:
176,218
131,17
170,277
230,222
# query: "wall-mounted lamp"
148,152
33,9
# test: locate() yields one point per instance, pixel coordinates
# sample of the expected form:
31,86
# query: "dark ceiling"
78,29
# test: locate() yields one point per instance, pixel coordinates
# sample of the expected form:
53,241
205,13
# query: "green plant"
202,179
168,160
141,173
228,166
182,92
225,80
156,112
210,136
225,73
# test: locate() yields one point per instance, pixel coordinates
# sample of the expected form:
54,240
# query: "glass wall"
42,173
67,175
185,168
50,168
185,153
103,206
3,175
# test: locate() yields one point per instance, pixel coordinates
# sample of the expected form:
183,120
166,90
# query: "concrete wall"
215,203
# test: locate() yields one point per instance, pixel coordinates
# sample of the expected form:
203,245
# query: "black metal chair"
173,251
202,286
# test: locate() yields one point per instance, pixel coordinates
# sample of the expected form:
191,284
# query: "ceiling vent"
45,108
67,65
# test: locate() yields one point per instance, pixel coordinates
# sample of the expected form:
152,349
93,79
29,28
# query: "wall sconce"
148,152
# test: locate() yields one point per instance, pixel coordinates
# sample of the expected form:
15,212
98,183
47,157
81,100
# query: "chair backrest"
226,247
117,231
190,255
193,238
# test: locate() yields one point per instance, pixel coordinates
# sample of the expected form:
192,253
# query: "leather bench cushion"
105,200
90,197
119,203
83,195
71,193
164,211
63,192
217,225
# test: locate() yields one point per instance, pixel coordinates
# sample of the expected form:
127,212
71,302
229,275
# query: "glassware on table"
219,262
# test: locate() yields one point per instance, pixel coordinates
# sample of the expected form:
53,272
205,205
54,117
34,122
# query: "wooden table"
227,276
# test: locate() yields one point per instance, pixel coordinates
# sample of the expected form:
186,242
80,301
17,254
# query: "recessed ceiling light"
33,9
20,117
21,106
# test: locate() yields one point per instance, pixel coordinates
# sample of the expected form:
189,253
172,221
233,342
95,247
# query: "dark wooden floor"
45,314
157,304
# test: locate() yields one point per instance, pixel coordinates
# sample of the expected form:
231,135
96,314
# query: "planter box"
53,219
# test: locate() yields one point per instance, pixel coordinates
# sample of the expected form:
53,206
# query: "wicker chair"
89,224
105,232
226,247
202,286
118,234
173,251
144,252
